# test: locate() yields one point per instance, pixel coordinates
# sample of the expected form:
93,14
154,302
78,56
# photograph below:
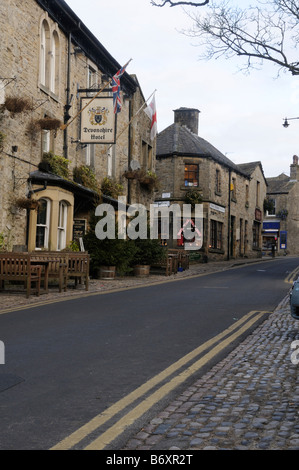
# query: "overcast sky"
240,115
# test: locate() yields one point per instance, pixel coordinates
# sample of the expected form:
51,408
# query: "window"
247,195
49,59
44,52
216,235
92,81
271,207
191,175
218,182
255,235
90,152
234,189
111,161
54,63
62,222
46,141
258,193
147,156
42,224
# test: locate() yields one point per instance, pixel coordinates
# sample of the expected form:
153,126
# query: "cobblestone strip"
249,400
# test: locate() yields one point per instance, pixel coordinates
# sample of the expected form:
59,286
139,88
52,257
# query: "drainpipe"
228,224
67,106
129,149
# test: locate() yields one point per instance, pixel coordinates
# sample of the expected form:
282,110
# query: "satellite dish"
135,165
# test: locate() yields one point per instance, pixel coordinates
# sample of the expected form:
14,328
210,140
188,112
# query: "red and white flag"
152,114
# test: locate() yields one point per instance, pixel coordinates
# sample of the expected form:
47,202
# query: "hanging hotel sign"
98,121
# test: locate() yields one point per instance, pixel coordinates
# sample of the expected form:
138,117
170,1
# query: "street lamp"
286,123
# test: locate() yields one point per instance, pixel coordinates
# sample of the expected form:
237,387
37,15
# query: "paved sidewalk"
248,401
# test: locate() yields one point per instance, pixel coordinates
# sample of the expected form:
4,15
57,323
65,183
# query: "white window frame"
46,141
46,225
43,53
52,64
62,225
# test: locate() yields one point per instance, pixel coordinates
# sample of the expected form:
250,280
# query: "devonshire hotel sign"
98,121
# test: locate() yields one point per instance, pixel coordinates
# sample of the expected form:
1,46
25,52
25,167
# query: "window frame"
216,232
46,225
188,180
62,225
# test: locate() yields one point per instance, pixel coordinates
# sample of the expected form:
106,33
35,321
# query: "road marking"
77,436
114,431
292,276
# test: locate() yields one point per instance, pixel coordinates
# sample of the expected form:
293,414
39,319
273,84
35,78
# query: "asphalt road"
67,362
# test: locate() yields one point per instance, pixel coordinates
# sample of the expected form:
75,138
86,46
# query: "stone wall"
20,24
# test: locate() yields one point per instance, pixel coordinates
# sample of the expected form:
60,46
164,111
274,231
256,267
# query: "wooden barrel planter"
107,272
141,270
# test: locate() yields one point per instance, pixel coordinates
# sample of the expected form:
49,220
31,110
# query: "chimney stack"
294,169
187,117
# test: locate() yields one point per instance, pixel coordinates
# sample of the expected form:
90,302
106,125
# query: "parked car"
294,300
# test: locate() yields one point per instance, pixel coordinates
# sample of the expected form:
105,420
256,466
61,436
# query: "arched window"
43,224
44,53
62,223
54,63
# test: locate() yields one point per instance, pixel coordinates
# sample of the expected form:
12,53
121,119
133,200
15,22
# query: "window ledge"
48,92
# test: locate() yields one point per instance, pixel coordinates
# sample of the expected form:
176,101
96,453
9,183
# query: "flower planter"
107,272
141,270
49,123
16,104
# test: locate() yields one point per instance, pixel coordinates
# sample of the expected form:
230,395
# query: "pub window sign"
98,121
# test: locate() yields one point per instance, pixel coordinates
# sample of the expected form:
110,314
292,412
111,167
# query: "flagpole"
64,126
131,120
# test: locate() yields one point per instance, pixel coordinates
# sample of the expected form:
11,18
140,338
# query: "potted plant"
132,174
148,179
148,251
110,255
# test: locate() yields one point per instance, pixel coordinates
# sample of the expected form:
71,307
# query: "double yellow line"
292,276
221,340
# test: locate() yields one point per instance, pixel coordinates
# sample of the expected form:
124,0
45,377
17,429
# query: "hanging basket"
49,123
26,203
15,104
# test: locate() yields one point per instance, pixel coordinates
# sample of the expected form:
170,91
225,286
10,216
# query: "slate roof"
280,184
179,140
249,168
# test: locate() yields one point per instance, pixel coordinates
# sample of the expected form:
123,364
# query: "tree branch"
174,4
255,33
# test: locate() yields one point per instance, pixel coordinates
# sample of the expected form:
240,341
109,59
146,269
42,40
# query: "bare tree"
268,31
162,3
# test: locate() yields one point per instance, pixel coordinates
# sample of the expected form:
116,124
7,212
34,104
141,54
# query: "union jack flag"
117,104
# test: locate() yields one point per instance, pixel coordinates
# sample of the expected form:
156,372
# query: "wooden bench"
166,266
78,267
17,267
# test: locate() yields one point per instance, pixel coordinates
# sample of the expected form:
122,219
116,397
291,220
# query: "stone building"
190,168
50,62
281,221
